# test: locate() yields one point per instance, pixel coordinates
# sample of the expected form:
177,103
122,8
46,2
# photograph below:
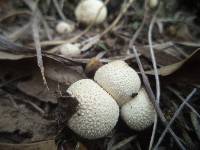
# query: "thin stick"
155,74
131,43
152,98
36,36
174,117
62,16
124,9
182,99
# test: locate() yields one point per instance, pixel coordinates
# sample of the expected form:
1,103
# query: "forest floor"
164,39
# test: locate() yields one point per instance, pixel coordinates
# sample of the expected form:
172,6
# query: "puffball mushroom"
119,80
97,112
70,50
153,3
64,27
91,11
139,113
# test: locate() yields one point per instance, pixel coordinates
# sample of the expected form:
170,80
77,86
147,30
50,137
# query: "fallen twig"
174,117
155,74
182,99
152,98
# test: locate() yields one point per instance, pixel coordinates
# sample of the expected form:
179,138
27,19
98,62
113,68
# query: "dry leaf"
36,88
186,70
59,77
42,145
62,73
23,124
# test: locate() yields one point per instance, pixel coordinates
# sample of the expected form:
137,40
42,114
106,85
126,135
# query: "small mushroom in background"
97,112
64,27
119,80
70,50
139,113
91,11
153,3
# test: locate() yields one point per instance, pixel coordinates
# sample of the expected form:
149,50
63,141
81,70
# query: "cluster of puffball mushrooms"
111,94
106,98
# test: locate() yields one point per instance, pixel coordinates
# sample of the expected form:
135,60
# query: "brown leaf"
186,70
59,77
62,73
36,88
42,145
31,126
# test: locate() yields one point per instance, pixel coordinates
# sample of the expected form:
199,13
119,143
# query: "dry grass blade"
155,74
154,59
62,16
152,98
36,37
174,117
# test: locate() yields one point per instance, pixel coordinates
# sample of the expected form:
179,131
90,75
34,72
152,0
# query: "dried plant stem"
62,16
155,74
152,98
124,9
182,99
174,117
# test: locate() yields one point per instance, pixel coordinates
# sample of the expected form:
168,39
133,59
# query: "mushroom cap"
70,50
119,80
153,3
97,112
89,11
139,113
64,27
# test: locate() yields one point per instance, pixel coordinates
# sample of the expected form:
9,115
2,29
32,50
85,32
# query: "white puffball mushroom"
139,113
70,50
97,112
119,80
91,11
153,3
64,27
